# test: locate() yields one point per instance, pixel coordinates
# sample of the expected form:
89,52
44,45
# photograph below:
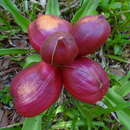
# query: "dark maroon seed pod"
45,25
36,88
86,80
59,48
90,33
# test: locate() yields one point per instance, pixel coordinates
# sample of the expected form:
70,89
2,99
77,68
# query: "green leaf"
86,119
124,88
14,51
88,8
104,4
115,5
2,37
121,59
82,2
112,98
32,123
10,128
4,21
117,49
62,125
97,111
59,109
53,7
19,19
32,60
124,117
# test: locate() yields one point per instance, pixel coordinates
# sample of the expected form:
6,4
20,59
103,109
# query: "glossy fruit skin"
45,25
90,33
85,80
59,48
36,88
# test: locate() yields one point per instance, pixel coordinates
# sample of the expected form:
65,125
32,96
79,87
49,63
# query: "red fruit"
90,33
36,88
85,80
59,48
45,25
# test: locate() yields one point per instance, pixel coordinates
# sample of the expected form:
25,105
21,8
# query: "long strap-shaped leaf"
14,51
32,123
88,8
10,128
53,7
11,7
112,98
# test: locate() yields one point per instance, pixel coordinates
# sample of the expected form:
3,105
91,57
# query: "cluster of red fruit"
62,46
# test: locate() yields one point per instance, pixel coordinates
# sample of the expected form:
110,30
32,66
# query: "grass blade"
32,123
114,99
14,51
53,7
10,128
88,8
35,58
124,117
117,58
19,19
124,88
